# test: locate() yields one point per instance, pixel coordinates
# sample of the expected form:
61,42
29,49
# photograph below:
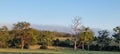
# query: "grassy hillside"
26,51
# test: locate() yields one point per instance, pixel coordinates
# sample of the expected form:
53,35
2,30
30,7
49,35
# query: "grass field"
26,51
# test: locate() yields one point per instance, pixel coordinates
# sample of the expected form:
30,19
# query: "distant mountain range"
61,28
55,28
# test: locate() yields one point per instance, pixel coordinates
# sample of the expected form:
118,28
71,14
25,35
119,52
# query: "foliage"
45,38
116,35
22,36
23,32
43,47
65,43
86,37
103,39
4,37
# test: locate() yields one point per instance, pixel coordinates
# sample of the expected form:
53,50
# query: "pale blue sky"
103,14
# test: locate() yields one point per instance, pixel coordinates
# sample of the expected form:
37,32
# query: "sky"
104,14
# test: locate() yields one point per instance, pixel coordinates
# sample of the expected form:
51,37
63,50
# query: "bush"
111,48
43,47
95,47
66,43
3,45
26,46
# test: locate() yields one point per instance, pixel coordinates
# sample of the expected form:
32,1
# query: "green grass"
88,52
27,51
69,51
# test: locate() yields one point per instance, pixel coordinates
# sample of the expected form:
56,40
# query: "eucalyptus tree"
22,28
77,26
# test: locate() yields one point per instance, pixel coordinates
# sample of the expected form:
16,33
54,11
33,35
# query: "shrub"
43,47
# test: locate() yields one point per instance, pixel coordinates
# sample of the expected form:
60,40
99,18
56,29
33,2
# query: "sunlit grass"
26,51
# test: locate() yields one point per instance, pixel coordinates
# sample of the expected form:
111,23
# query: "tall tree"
86,37
76,28
4,36
103,39
117,35
22,28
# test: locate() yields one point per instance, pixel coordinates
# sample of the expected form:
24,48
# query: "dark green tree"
103,38
116,35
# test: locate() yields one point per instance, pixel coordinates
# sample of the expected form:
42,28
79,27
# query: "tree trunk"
102,46
88,46
22,43
119,44
83,45
75,45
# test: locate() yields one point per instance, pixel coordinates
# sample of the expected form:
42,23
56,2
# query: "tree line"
22,36
84,38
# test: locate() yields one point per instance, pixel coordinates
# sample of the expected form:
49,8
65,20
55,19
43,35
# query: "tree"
45,38
103,39
22,28
76,28
117,35
4,28
86,37
4,36
34,34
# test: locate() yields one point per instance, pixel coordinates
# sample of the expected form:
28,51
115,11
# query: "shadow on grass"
24,53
